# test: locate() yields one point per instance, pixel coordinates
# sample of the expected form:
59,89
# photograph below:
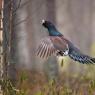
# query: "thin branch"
22,21
17,7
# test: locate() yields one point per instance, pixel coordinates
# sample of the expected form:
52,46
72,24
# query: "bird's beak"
43,21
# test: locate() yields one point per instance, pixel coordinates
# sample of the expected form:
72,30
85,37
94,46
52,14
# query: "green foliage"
39,93
23,77
25,86
10,89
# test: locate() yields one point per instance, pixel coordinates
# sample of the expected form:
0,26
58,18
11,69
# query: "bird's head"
47,24
51,28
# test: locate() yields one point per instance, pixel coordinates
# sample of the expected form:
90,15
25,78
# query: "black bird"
56,43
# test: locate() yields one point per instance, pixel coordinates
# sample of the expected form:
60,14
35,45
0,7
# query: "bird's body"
57,44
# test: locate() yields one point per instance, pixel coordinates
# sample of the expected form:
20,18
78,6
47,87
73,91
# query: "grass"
34,83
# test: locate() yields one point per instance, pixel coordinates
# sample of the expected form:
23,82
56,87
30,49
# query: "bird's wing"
76,55
51,45
59,43
46,48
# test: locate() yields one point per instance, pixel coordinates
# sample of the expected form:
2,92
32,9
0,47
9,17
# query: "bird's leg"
62,63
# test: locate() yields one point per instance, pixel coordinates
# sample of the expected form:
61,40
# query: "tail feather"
82,58
93,60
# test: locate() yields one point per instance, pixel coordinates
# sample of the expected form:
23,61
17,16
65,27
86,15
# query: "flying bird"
56,43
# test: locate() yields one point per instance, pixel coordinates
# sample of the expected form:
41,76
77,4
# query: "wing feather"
51,45
46,48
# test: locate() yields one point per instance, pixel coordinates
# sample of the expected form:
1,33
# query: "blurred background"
21,31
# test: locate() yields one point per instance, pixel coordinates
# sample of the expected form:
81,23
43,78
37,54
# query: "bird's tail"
93,60
82,58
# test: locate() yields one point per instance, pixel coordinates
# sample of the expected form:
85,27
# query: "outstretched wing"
76,55
46,48
51,45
